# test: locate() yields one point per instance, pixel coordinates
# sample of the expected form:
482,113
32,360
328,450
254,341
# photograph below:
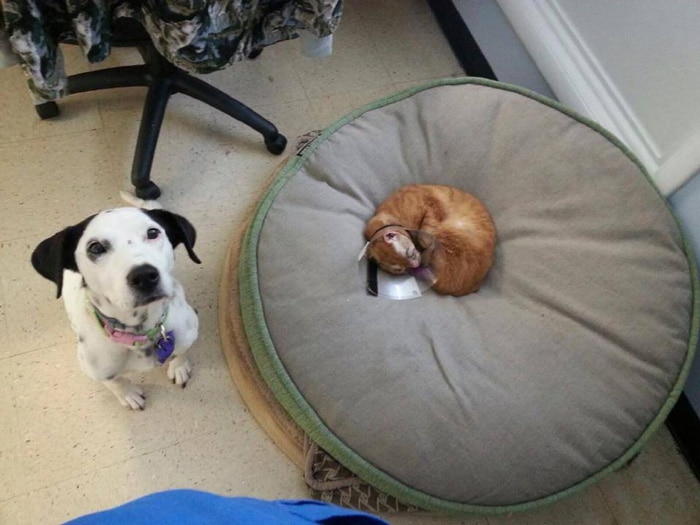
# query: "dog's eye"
96,248
153,233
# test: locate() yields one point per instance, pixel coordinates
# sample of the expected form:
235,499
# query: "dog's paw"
180,370
128,394
135,400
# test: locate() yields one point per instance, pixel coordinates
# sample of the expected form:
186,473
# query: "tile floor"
66,446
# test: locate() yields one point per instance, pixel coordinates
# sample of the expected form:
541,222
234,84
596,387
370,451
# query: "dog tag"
164,347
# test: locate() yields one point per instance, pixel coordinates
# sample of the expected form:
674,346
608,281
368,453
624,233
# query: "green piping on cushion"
284,389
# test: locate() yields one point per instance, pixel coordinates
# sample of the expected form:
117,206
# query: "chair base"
163,80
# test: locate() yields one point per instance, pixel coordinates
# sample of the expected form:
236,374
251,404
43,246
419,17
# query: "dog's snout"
144,278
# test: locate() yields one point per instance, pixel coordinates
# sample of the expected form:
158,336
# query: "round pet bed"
553,375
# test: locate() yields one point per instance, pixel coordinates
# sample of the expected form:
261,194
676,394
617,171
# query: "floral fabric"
199,36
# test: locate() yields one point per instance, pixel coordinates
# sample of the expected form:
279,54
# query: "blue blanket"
179,507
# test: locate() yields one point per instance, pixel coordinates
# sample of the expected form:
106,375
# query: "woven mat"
331,482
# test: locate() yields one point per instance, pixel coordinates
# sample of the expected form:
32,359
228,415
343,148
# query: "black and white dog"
114,270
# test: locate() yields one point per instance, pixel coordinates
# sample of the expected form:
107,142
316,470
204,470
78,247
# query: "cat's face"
394,252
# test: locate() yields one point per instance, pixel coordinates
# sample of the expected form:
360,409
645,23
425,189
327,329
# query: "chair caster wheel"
47,110
276,144
148,192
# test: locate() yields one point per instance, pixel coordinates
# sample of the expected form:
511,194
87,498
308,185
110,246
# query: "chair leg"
47,110
125,76
195,88
163,79
153,112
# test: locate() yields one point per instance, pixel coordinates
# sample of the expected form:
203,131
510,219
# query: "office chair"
163,80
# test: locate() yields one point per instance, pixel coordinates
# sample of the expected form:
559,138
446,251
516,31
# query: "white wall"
650,49
632,65
686,203
500,45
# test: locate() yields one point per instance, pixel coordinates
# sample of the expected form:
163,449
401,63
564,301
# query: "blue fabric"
180,507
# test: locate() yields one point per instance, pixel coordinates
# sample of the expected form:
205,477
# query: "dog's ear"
178,229
57,253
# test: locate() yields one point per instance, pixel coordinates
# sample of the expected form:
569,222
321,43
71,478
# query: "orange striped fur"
458,221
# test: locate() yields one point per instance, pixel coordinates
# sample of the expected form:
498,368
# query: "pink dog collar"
124,338
163,342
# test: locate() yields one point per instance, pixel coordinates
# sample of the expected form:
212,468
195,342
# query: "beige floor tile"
330,108
269,79
226,461
658,487
422,519
408,42
4,341
70,424
94,490
584,508
20,121
13,480
354,65
17,510
123,106
389,9
49,184
238,460
34,317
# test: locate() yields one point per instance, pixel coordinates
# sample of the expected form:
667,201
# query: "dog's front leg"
104,362
128,394
180,370
180,367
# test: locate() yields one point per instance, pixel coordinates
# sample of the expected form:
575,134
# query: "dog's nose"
143,278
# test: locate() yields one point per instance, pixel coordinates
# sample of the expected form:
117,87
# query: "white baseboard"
581,82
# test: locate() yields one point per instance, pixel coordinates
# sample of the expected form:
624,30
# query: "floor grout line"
43,138
35,350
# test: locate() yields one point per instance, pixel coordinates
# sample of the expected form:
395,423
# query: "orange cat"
458,221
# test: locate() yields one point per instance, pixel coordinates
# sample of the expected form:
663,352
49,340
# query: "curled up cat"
460,240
